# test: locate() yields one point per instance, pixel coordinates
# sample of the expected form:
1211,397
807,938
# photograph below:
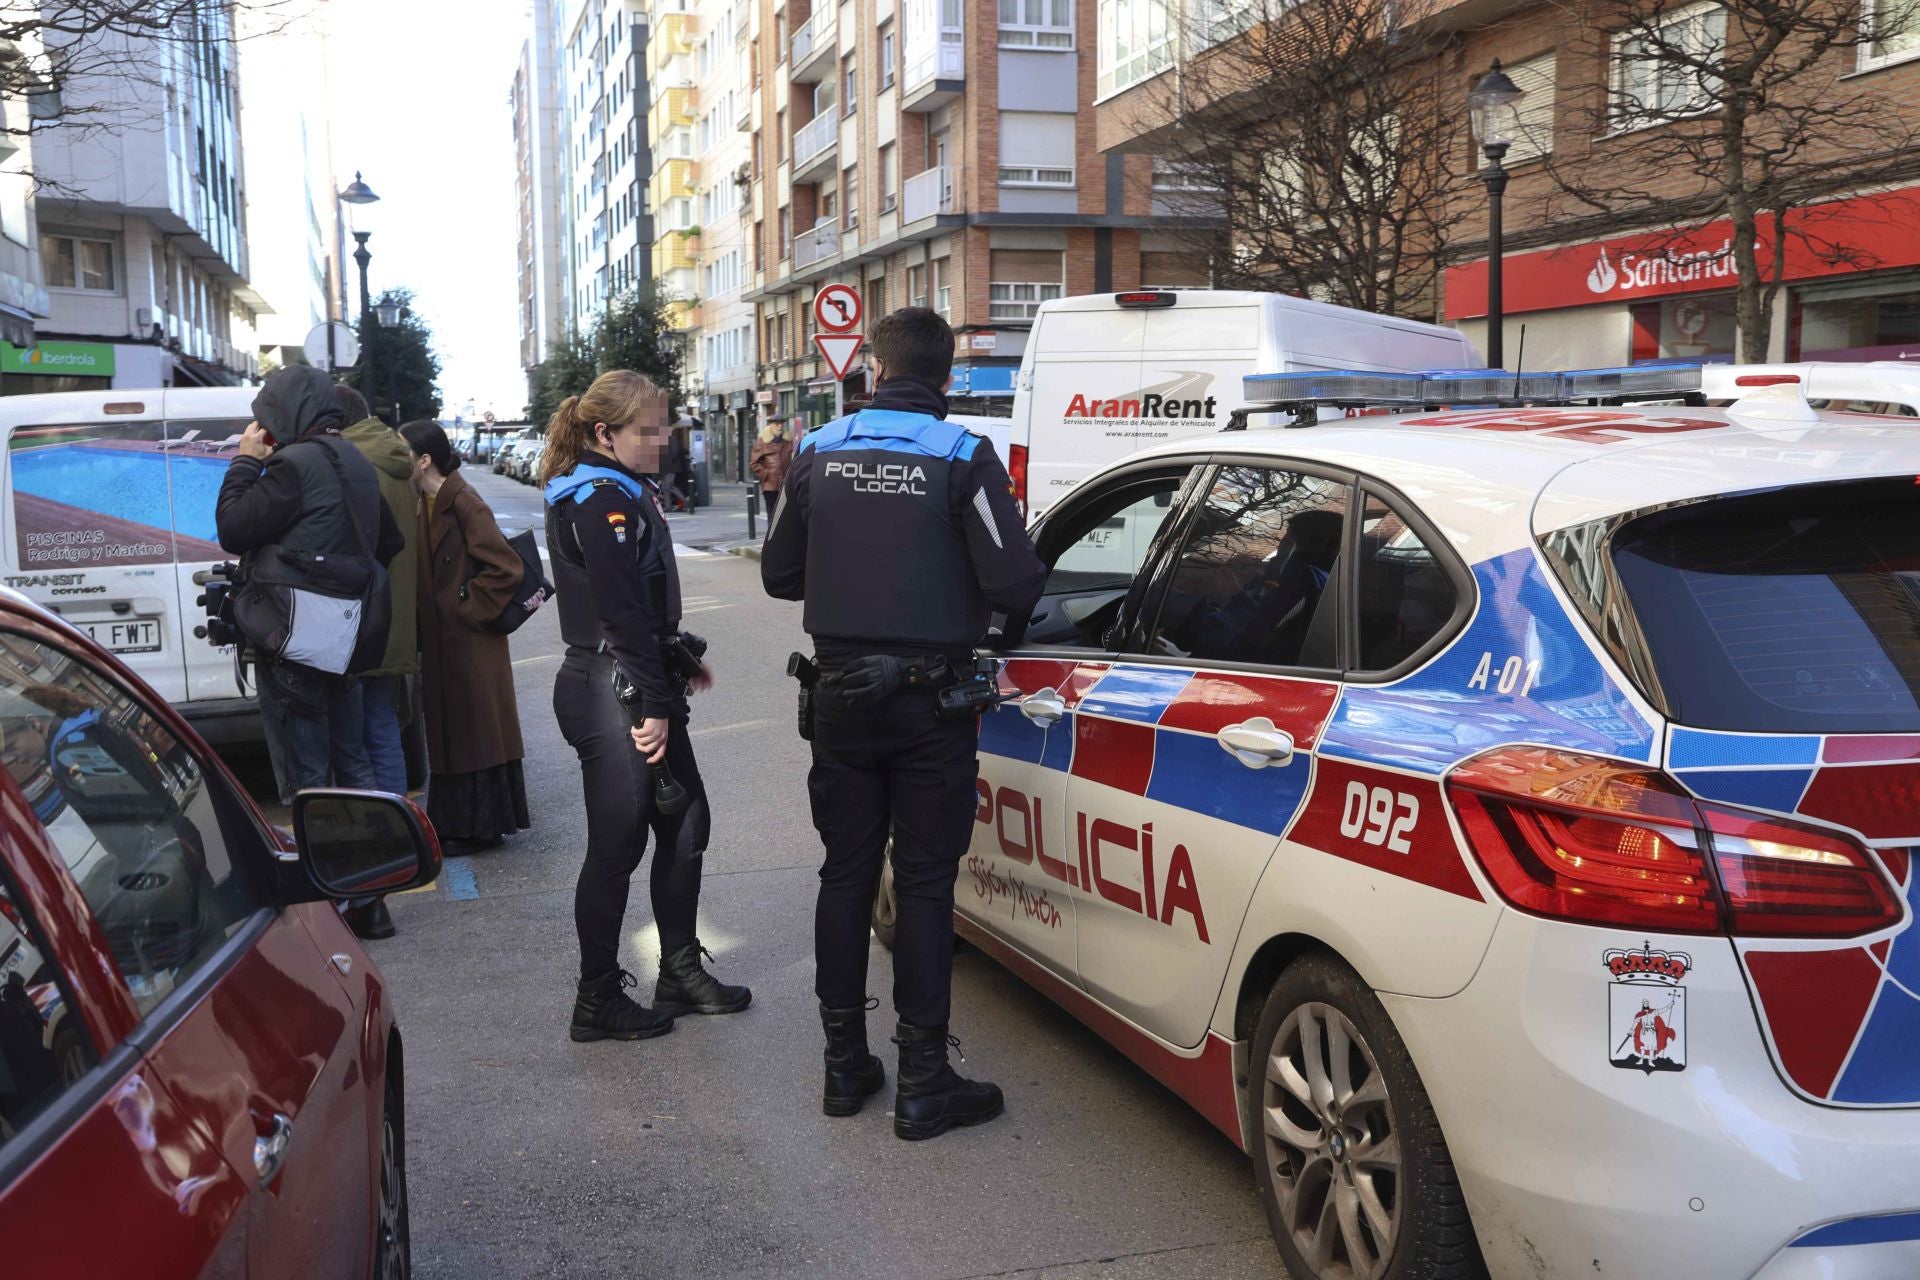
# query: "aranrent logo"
1179,399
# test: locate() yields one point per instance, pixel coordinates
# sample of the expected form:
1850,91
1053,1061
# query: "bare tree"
1320,138
1745,112
101,65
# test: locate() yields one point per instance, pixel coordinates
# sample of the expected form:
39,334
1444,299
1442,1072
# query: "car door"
1193,752
243,1032
1020,872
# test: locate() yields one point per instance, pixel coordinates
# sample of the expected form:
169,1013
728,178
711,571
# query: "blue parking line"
457,875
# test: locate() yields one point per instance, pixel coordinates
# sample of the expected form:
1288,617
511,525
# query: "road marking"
728,728
706,608
545,657
457,875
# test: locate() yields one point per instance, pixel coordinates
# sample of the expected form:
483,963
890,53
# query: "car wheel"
1352,1166
393,1256
886,907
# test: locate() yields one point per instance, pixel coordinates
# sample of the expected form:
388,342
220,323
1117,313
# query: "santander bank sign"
1863,233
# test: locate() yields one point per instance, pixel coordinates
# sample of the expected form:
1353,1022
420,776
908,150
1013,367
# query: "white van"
1106,374
106,512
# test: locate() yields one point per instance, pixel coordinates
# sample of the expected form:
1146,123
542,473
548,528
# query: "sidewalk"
721,526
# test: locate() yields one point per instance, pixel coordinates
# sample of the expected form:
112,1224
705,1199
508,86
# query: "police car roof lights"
1300,393
1488,386
1631,382
1335,387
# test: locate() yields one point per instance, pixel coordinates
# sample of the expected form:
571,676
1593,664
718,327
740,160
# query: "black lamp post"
363,256
356,192
1490,106
390,311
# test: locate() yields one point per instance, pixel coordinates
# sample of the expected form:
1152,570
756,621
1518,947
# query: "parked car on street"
526,455
503,456
200,1070
1497,822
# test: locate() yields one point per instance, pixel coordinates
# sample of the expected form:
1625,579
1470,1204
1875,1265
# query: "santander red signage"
1863,233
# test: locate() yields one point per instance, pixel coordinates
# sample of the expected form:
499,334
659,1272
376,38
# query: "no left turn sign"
836,309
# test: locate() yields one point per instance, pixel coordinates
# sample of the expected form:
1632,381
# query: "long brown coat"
473,722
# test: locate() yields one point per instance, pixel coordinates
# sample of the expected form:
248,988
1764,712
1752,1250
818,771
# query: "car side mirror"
355,844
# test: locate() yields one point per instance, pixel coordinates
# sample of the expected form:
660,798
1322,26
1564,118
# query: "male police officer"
900,532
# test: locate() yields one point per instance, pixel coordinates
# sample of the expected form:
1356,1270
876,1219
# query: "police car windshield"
1796,610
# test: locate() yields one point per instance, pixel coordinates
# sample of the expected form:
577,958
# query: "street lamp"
1496,123
363,256
389,310
357,192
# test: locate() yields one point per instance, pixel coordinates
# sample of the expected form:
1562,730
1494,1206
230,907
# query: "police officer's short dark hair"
916,342
352,403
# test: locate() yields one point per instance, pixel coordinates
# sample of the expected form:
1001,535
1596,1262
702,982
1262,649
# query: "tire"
885,906
393,1236
1359,1187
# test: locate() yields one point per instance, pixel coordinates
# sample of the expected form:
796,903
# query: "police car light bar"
1439,388
1488,386
1336,387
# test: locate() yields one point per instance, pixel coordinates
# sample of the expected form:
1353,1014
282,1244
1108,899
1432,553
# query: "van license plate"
127,635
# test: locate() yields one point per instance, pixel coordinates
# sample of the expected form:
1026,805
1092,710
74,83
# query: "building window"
75,263
943,287
1036,149
1892,29
1036,24
917,286
1657,76
850,186
1136,43
1022,279
850,96
1172,175
888,56
889,177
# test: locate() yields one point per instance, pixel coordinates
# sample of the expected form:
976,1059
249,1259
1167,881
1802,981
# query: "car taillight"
1579,837
1017,472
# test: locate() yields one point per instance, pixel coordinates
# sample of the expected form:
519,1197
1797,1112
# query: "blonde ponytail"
617,397
566,437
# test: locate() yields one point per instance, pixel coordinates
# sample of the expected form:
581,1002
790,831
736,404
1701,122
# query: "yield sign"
838,350
836,308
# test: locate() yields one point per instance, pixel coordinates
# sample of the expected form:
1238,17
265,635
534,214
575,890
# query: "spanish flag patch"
618,519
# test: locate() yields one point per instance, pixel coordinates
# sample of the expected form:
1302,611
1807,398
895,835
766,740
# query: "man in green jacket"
386,689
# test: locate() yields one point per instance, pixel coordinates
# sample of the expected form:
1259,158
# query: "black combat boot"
604,1011
853,1074
932,1098
686,987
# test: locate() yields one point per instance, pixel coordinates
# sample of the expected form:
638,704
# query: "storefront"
1853,292
55,366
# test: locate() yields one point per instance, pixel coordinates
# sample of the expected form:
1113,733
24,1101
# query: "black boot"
604,1011
853,1074
932,1098
686,987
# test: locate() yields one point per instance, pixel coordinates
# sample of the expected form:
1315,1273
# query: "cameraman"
619,594
283,488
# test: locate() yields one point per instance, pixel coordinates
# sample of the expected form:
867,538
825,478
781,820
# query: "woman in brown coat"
772,455
468,573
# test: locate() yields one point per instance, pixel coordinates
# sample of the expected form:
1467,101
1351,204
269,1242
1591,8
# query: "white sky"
418,102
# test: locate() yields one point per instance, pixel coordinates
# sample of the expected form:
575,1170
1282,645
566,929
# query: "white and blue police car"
1497,820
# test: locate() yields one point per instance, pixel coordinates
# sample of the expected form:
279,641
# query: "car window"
130,811
1254,582
1096,552
1406,597
42,1048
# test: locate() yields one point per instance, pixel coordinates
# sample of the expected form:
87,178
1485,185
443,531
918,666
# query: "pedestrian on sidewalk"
477,793
772,455
619,596
898,582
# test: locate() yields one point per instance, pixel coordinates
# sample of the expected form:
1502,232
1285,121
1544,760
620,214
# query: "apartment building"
607,215
700,96
24,300
934,152
539,157
142,216
1632,279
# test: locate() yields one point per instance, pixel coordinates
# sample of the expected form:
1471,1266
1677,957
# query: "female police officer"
619,596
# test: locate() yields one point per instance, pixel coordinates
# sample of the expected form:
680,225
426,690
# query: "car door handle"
270,1149
1044,707
1256,743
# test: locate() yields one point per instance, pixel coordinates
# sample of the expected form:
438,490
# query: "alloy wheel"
1331,1139
394,1262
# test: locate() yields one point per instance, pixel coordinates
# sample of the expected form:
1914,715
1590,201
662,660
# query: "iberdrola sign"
1865,233
57,359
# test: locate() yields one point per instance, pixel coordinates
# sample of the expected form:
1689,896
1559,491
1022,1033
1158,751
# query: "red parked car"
200,1073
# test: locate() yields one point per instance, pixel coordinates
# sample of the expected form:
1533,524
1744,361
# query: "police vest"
657,577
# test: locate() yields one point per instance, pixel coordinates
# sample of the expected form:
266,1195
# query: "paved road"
704,1153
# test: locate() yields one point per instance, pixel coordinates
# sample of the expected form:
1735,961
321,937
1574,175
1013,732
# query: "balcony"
816,54
674,252
678,106
929,194
814,145
934,66
816,246
673,180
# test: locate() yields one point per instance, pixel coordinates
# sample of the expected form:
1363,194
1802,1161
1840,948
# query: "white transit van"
1106,374
106,512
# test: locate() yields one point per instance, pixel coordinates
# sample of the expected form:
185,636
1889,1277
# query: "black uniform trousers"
890,767
620,812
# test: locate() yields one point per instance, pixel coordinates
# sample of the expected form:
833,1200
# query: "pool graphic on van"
119,494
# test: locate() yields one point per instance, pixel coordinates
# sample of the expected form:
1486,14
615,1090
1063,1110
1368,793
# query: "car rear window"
1795,610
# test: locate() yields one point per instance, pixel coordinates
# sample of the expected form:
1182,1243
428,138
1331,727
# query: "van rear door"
88,528
204,426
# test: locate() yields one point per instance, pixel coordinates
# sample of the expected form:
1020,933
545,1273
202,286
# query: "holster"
801,668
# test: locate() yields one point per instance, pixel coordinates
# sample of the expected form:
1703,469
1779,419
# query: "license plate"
127,635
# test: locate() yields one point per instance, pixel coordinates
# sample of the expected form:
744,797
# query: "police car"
1497,821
